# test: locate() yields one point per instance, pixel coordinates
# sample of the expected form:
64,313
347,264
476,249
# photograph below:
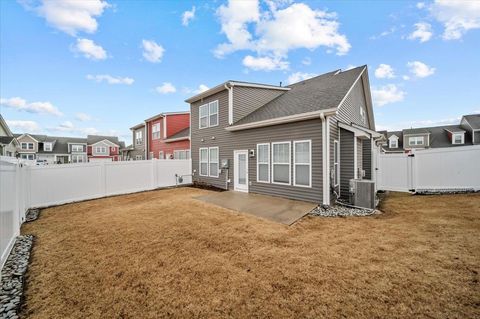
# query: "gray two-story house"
304,141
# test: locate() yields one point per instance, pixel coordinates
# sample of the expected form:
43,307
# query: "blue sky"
78,67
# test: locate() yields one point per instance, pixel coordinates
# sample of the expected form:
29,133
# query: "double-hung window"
204,162
100,149
77,148
302,163
393,143
336,163
263,163
208,115
209,161
27,146
138,138
156,131
47,147
416,140
457,138
281,163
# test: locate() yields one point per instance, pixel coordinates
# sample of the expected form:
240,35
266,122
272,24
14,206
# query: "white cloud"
273,32
387,94
423,32
110,79
70,16
384,71
264,63
166,88
349,67
201,88
69,128
406,77
457,17
188,16
299,76
420,5
152,51
20,104
83,117
419,123
384,33
90,49
307,61
23,126
420,70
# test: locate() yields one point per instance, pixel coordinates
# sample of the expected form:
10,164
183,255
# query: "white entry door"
240,171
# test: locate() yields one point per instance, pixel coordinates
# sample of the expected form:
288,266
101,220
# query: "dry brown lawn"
166,254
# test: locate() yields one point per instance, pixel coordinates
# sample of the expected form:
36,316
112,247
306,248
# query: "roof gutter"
283,120
169,140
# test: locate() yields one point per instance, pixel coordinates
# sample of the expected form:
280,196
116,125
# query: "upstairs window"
27,146
138,138
416,140
100,149
47,147
393,143
208,115
363,115
156,131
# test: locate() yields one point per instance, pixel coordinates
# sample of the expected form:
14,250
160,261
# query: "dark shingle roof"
439,136
420,130
6,139
92,139
473,120
181,134
321,92
60,145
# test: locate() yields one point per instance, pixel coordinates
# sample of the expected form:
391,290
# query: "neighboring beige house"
8,142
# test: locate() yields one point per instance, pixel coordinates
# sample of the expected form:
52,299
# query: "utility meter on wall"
225,163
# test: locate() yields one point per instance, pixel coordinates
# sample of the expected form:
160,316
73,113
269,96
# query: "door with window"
240,171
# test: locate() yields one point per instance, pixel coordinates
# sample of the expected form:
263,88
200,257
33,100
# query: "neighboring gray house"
137,150
304,141
52,149
466,133
8,142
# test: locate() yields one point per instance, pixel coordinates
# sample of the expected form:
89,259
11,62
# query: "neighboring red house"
168,136
103,148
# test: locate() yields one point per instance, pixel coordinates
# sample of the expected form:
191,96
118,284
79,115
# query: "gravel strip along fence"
340,211
13,277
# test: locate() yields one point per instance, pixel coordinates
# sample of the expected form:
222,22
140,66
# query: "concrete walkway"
277,209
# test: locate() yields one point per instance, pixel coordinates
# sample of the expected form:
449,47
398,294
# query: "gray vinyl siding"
248,140
359,157
367,158
139,147
248,99
349,111
347,158
477,137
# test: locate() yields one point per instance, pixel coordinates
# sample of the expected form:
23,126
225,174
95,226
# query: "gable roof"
5,140
323,92
3,123
473,120
92,139
420,130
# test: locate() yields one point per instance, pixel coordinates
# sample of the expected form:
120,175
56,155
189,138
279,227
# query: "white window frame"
27,148
200,161
208,114
75,158
415,140
77,148
336,163
187,154
103,150
217,162
49,148
392,142
155,130
462,138
289,163
268,163
160,155
304,164
362,115
138,138
26,157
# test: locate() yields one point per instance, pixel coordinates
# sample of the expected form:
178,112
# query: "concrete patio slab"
277,209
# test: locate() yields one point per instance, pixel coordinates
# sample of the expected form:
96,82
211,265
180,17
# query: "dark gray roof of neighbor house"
6,139
420,130
121,144
387,136
473,120
455,129
137,126
439,136
319,93
181,134
92,139
60,145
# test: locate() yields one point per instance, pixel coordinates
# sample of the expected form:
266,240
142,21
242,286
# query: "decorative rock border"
341,211
13,277
32,215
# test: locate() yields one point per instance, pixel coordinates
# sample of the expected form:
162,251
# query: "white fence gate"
23,186
454,168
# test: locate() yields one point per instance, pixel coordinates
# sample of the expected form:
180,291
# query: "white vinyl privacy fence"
454,168
23,186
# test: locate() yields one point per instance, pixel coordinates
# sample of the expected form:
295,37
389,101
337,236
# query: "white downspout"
230,102
324,161
146,140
